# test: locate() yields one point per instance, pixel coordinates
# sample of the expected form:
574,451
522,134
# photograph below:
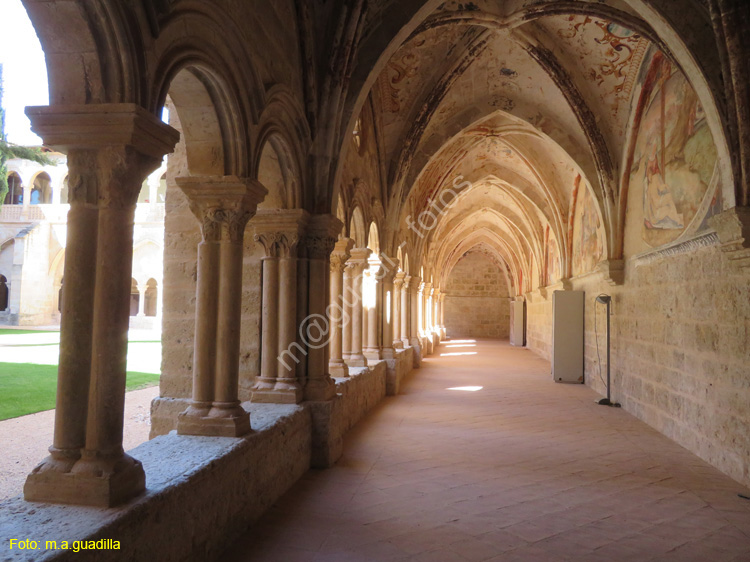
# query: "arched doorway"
4,293
41,190
15,190
151,298
135,298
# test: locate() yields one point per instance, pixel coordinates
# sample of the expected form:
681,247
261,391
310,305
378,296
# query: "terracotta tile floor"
521,470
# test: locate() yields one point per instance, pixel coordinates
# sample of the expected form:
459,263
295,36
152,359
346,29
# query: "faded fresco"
552,260
674,158
588,235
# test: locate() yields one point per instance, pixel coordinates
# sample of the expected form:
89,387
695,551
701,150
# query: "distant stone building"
33,230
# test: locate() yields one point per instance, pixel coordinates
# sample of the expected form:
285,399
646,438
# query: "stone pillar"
398,283
357,262
317,332
442,315
348,298
414,287
337,315
279,233
223,205
438,308
142,300
111,149
372,283
405,334
424,308
387,315
434,310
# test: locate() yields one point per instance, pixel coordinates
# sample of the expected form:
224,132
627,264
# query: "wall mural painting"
553,261
588,236
673,160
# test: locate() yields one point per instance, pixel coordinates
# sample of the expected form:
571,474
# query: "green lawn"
26,388
6,332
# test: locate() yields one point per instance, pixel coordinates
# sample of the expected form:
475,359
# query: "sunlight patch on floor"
466,388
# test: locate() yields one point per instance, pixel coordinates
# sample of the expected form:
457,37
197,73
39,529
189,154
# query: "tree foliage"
8,150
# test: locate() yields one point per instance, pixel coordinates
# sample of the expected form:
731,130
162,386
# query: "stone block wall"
477,303
680,351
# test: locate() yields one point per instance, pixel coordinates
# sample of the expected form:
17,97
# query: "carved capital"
111,148
280,231
387,275
222,204
414,284
360,255
733,228
319,247
110,176
278,244
338,262
398,280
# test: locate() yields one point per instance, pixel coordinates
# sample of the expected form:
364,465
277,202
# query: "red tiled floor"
523,469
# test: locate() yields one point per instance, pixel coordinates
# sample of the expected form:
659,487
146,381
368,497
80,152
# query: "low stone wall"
397,368
360,392
190,478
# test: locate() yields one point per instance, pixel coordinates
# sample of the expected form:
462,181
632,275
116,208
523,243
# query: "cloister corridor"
484,457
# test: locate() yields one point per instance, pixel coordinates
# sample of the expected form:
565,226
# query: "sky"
24,72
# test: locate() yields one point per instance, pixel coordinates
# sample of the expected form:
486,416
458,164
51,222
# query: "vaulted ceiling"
517,113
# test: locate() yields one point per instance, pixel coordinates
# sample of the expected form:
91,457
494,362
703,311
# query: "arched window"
41,190
135,298
15,190
150,295
64,191
357,134
161,193
4,293
60,297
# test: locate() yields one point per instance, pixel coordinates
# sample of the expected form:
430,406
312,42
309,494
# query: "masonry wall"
680,351
477,303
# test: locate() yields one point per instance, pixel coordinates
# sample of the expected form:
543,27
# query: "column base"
92,481
357,360
338,370
217,422
398,344
372,355
388,353
320,389
278,396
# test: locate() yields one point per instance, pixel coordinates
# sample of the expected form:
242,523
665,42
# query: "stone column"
414,287
142,300
358,263
427,294
317,333
398,283
223,205
442,315
337,314
405,312
279,233
434,310
111,149
373,278
348,298
388,315
438,320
